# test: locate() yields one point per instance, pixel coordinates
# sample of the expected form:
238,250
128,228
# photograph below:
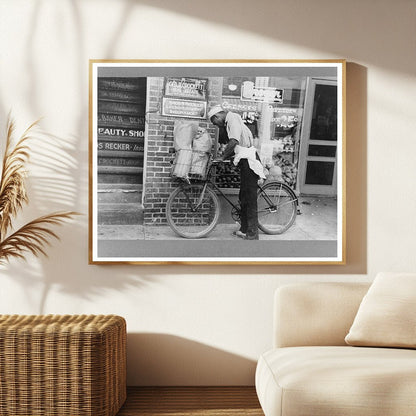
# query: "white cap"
214,110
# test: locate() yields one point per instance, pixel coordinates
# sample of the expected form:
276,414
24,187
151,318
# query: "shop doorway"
319,139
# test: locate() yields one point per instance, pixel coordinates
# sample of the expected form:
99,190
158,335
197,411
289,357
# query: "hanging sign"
249,92
193,88
173,107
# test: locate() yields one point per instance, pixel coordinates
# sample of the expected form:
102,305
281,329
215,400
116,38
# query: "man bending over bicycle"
240,144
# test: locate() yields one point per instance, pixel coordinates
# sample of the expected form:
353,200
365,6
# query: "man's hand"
229,149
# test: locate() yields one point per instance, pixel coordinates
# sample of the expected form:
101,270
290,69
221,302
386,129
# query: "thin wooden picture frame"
146,117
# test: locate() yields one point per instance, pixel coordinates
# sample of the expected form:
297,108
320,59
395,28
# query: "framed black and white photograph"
217,162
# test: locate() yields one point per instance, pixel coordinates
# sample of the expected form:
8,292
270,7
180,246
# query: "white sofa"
311,371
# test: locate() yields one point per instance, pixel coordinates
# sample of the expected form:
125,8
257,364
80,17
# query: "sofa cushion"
387,314
304,381
315,314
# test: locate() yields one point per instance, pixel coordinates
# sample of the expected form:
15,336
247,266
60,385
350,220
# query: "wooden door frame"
304,142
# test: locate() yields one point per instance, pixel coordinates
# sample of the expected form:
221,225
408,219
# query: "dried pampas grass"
35,235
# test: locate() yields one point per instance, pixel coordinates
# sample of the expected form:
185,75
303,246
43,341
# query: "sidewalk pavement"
317,221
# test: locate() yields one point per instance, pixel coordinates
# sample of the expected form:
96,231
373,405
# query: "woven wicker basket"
52,365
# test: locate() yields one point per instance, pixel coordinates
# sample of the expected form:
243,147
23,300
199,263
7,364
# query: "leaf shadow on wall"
60,177
69,11
53,187
163,359
333,27
59,181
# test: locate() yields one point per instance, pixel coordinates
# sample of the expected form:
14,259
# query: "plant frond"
33,237
12,183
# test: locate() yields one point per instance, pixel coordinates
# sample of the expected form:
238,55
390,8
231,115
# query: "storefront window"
231,86
324,119
319,173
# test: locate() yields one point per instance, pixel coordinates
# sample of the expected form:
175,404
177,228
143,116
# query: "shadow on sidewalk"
317,221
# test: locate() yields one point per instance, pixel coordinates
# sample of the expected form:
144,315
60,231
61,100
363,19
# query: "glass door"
318,151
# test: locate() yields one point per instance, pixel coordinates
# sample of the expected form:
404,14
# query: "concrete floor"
317,221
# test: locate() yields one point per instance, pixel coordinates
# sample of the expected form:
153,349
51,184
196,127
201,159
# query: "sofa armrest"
315,313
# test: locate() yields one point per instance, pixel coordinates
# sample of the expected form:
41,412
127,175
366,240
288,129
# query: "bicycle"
193,209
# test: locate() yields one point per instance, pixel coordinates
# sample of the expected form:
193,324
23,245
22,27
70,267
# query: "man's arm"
229,149
234,131
234,126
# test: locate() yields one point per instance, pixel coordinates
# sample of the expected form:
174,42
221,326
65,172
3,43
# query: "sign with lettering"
117,95
250,92
112,161
173,107
238,106
124,84
115,132
286,117
120,120
120,146
120,107
194,88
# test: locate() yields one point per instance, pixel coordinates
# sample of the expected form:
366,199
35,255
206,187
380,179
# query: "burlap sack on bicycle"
183,135
201,149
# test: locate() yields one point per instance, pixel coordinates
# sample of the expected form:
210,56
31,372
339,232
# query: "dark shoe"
239,233
251,237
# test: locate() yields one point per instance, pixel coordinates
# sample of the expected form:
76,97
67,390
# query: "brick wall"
158,182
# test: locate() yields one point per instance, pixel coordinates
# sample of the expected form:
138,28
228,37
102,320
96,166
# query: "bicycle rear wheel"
277,208
189,215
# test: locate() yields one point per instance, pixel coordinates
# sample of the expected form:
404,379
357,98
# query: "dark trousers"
248,200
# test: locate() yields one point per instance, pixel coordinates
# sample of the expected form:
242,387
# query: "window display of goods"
285,145
275,173
227,175
283,170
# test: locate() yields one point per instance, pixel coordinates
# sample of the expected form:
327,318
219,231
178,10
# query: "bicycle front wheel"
277,208
190,213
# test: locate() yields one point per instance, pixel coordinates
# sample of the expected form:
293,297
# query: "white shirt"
236,129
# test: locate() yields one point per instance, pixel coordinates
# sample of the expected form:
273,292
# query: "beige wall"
204,324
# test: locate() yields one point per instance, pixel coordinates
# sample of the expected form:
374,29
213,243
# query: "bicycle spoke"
276,208
192,211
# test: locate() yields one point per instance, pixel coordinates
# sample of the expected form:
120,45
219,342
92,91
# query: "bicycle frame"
208,181
196,195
